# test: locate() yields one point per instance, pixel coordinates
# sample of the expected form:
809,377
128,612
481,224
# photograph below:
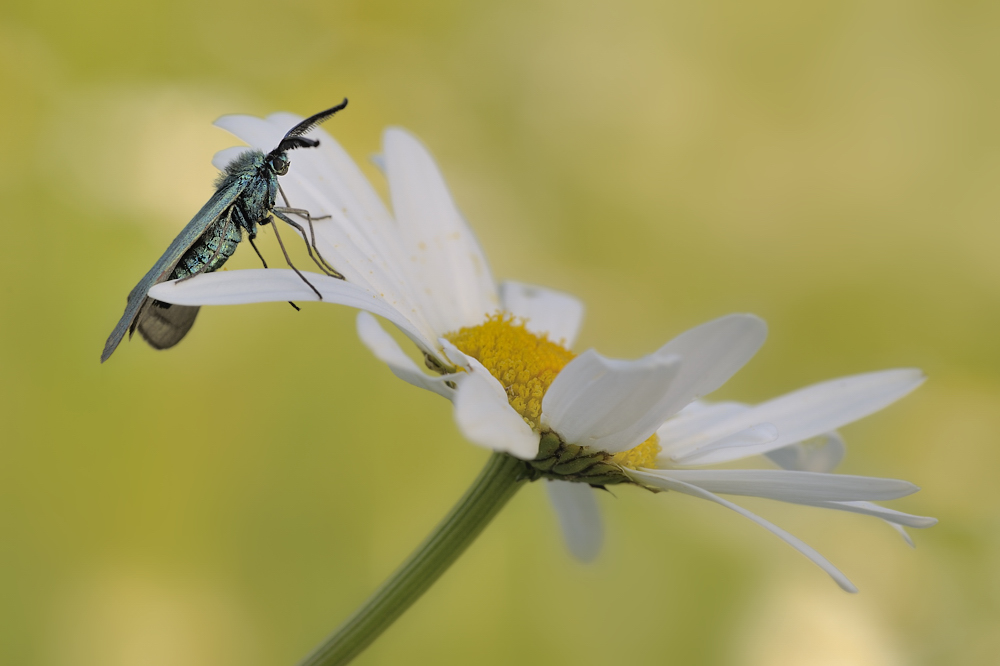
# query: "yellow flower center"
526,364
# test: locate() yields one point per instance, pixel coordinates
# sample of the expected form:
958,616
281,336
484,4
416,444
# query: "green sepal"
548,446
608,480
569,452
577,465
571,462
603,469
544,465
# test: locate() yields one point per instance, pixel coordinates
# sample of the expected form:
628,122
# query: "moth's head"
277,160
278,163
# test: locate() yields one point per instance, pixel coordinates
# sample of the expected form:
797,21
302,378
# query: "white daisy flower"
501,354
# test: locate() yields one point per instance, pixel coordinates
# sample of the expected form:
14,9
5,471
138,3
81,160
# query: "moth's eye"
279,164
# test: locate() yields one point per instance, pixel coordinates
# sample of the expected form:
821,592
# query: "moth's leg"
310,239
289,259
288,207
218,249
250,238
327,267
251,232
254,246
252,235
322,263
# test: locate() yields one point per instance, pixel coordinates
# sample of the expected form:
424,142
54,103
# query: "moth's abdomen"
211,250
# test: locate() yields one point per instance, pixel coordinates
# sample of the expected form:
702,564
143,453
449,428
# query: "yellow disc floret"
643,455
526,364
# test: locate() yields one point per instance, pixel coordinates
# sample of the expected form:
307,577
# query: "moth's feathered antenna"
294,139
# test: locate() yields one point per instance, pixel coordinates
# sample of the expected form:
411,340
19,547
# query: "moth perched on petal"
245,197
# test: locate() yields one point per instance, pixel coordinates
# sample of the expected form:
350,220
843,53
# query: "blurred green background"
830,166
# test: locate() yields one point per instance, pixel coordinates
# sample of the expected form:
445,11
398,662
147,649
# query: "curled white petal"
385,348
901,531
455,356
607,404
486,418
897,520
787,486
799,545
271,285
805,413
579,518
547,311
871,509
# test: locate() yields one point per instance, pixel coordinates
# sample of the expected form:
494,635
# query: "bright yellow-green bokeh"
830,166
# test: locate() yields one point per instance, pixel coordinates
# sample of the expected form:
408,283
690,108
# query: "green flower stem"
500,479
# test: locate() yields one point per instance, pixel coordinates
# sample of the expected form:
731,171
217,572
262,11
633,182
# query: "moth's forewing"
164,266
163,325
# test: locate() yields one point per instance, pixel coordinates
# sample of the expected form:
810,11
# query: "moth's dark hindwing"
163,325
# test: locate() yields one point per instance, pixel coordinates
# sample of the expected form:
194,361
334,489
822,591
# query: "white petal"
385,348
256,132
441,251
901,531
607,404
710,355
870,509
222,158
786,486
486,418
458,358
693,421
753,436
806,413
797,544
818,454
547,311
579,518
271,285
342,185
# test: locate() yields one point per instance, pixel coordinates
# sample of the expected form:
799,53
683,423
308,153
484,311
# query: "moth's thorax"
258,198
245,165
251,172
